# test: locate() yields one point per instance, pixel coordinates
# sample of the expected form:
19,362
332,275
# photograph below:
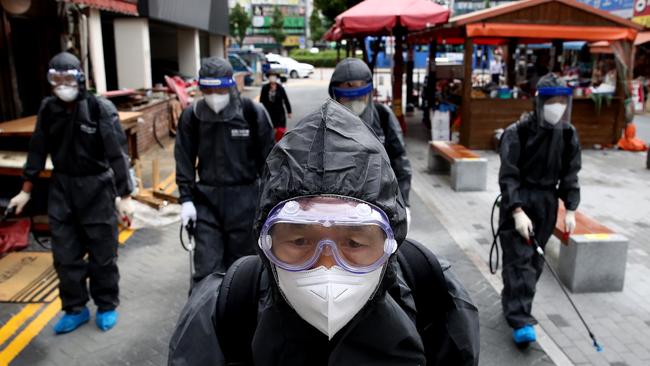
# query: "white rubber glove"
125,210
408,219
188,212
570,222
19,201
523,224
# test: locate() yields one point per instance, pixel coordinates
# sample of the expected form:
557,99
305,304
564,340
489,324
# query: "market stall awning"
119,6
550,31
378,17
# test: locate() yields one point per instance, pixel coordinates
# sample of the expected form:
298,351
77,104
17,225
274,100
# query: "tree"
317,27
276,30
331,8
239,23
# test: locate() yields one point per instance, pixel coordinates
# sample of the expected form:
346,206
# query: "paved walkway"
615,191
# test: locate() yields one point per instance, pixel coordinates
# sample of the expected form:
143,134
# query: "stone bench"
468,169
593,258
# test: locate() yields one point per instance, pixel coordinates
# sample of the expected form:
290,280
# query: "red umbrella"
381,16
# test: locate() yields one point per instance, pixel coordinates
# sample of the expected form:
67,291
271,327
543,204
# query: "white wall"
217,46
132,53
189,52
97,50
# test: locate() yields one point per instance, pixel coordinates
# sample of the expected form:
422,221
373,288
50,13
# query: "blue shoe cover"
71,321
524,335
106,320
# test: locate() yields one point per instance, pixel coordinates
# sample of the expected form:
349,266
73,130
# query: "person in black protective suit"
351,85
323,290
540,161
83,136
231,137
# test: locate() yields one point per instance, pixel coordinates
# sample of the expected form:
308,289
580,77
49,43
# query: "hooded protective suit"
539,164
88,150
329,152
231,147
380,119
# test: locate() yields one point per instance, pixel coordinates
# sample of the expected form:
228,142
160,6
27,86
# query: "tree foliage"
317,26
239,23
331,8
277,26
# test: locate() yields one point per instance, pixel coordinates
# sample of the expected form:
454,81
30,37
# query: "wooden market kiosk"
534,21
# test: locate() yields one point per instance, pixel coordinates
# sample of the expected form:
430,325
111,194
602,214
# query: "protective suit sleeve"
185,153
194,341
38,150
509,180
397,153
285,99
569,188
115,146
265,137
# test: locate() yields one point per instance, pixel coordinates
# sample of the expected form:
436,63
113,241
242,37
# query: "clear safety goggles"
221,83
64,77
554,106
348,94
356,234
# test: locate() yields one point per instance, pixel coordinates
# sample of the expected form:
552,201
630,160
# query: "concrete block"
436,162
593,263
469,174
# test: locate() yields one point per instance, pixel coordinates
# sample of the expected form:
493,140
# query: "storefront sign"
622,8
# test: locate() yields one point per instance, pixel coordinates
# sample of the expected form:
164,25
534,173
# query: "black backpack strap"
237,309
449,338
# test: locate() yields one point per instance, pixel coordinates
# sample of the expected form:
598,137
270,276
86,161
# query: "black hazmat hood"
331,151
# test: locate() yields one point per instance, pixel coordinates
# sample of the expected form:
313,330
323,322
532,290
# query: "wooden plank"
25,126
13,162
585,225
165,196
453,151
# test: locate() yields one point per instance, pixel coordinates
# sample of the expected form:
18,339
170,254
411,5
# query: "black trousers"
84,240
522,266
224,227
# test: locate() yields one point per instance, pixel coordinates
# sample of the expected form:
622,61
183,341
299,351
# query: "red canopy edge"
129,7
379,17
550,32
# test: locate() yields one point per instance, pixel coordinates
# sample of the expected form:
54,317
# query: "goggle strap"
554,91
353,92
216,82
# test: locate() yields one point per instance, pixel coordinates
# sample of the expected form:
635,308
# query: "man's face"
209,91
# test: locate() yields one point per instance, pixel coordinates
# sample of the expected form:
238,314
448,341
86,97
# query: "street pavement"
455,226
615,191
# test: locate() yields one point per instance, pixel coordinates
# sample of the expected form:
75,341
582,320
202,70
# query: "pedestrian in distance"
274,98
90,181
335,281
230,136
351,85
540,161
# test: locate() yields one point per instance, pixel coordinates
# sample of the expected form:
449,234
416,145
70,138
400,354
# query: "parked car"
239,65
294,68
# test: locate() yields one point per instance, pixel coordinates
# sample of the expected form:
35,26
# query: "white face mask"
553,112
328,298
66,93
273,78
357,106
217,102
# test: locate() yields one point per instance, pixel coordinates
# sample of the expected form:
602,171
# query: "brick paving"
615,191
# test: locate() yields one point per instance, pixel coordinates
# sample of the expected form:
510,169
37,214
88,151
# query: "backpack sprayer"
533,241
190,228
